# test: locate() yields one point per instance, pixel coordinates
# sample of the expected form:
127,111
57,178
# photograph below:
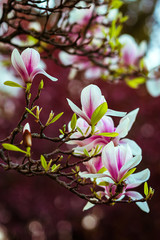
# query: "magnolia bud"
27,138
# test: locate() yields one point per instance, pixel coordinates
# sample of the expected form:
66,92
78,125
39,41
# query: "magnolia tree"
83,35
92,158
109,158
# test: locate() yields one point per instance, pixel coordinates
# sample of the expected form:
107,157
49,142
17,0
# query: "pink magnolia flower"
131,52
118,193
118,160
106,125
27,64
91,98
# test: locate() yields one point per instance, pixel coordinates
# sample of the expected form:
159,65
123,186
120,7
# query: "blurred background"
37,208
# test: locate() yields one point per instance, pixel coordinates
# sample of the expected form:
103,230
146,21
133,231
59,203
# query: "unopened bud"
27,138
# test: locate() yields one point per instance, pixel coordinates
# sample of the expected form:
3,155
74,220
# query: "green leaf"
99,113
86,152
55,167
56,118
103,183
124,19
61,131
44,162
79,130
49,164
73,121
12,84
28,110
108,134
116,4
146,188
12,147
127,174
134,83
102,170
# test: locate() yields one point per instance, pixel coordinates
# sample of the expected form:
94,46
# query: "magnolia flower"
118,160
106,125
27,63
91,98
131,52
118,193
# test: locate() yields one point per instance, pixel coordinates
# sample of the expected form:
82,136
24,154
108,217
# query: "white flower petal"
114,113
136,150
137,196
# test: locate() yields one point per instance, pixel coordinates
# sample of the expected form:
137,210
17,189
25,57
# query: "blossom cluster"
103,34
112,157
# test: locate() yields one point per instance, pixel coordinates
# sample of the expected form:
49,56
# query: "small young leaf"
12,147
56,118
134,83
28,110
116,4
146,188
55,167
43,162
49,164
103,183
12,84
108,134
61,131
127,174
99,113
73,121
86,152
79,130
102,170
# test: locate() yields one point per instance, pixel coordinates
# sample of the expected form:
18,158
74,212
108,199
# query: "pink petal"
109,160
18,64
31,59
78,111
91,98
123,154
94,165
106,124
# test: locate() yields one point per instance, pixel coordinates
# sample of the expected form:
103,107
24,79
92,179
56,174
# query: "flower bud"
27,138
